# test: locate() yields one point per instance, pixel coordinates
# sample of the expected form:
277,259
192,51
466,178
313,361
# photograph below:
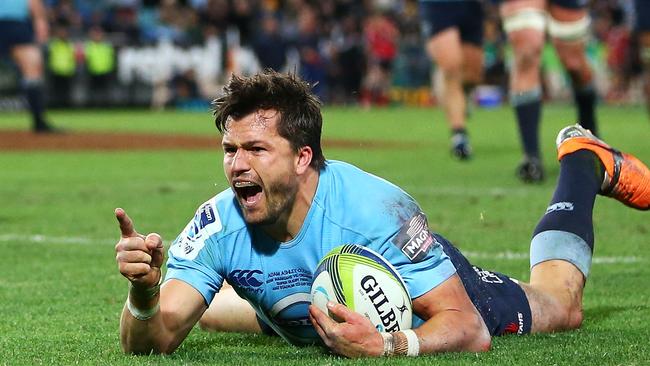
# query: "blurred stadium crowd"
179,52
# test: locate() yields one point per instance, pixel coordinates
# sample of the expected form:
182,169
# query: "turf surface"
61,293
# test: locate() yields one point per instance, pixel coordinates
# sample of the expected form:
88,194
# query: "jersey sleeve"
193,258
418,256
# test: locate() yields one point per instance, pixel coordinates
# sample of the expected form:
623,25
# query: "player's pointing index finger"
126,225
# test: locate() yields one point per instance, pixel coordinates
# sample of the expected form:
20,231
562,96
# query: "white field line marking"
513,256
46,239
465,191
505,255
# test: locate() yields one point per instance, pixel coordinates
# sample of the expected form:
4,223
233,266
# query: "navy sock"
570,210
458,131
585,99
36,101
528,116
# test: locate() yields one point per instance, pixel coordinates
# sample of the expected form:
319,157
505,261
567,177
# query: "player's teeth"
244,184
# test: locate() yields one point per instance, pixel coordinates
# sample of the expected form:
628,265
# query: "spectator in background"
642,32
269,45
185,92
100,65
61,66
349,61
216,15
123,24
381,37
313,67
616,36
23,27
242,16
454,33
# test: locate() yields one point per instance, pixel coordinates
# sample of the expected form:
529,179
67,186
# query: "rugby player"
287,206
525,23
23,28
454,41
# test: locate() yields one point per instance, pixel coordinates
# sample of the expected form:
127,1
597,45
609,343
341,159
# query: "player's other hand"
355,336
139,257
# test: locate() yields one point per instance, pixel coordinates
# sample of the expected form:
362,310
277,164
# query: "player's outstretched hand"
139,257
355,336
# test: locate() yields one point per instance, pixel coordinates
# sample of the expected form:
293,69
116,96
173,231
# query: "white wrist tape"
389,344
413,342
141,314
148,293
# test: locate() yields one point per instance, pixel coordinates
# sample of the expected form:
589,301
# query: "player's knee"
574,64
575,317
453,74
568,317
483,342
527,57
209,323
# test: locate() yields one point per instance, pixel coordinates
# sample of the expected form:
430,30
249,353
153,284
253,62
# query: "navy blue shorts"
642,9
467,16
14,33
501,302
570,4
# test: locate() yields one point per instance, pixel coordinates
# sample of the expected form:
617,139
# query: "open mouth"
248,192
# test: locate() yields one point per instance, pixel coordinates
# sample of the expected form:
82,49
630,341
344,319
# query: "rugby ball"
365,282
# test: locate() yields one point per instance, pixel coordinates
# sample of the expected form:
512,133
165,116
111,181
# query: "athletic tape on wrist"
142,314
413,342
389,345
148,294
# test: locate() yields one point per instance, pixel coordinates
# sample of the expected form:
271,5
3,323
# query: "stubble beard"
276,208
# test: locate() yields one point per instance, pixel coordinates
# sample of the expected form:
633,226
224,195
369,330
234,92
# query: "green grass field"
61,293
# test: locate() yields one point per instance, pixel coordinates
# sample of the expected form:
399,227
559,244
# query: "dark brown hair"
300,120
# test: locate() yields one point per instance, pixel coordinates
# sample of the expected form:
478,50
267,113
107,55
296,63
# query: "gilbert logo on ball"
365,282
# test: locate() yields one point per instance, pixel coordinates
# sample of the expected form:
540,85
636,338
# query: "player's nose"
240,162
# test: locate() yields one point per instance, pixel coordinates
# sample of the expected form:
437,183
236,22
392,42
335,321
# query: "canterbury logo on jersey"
246,278
560,206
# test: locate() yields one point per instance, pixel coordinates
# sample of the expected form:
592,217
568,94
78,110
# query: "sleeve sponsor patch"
414,238
205,223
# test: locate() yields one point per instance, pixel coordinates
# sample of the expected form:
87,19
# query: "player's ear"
303,159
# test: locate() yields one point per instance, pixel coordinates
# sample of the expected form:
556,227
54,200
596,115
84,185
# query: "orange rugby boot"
626,179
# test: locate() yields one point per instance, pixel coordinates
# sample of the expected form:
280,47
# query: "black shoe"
531,170
460,147
47,128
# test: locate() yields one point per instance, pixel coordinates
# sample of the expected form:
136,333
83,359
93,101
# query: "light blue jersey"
350,206
14,9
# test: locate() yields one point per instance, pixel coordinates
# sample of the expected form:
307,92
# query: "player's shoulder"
213,220
353,194
222,209
218,216
355,179
347,181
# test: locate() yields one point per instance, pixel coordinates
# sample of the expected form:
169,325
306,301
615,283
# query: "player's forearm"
453,331
141,337
149,333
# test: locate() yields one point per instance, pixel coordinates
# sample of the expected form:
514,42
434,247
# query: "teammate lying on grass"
287,206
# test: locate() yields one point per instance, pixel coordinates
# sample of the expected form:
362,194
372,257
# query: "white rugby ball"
365,282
